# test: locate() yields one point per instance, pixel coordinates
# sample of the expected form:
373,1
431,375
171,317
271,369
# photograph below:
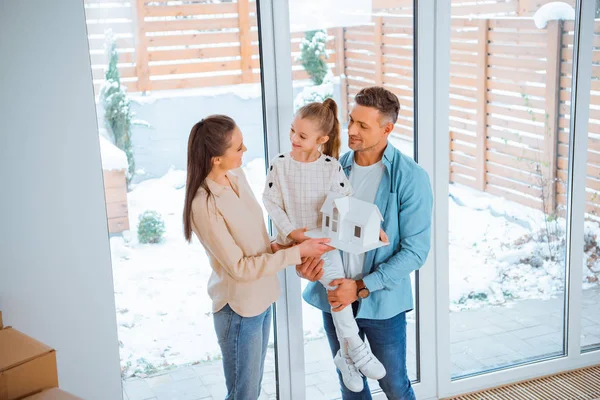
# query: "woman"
222,211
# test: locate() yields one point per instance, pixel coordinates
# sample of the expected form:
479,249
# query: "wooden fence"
116,16
164,46
382,54
510,131
509,81
509,101
172,45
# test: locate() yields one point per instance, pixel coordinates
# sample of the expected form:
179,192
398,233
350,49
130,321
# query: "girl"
296,187
225,216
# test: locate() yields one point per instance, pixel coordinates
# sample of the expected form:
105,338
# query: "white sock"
343,346
353,342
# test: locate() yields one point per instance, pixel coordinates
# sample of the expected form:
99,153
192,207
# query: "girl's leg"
345,324
346,327
243,349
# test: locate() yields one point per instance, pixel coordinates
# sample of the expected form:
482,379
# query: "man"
378,287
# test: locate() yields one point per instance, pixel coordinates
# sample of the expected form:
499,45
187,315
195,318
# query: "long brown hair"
326,116
209,138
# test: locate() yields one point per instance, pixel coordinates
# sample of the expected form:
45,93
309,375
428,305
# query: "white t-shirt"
365,182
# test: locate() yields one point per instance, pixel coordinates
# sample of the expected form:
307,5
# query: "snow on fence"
481,8
114,167
171,45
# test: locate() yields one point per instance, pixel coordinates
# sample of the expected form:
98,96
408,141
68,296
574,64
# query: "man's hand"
311,269
344,295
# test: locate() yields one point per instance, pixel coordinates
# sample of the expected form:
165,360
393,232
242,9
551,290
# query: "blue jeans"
387,339
243,342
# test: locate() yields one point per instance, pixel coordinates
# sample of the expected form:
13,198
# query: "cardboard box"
53,394
26,365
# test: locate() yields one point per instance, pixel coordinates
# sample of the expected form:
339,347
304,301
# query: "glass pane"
356,45
509,134
590,318
177,64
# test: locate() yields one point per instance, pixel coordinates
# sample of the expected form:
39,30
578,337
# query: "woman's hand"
311,269
314,247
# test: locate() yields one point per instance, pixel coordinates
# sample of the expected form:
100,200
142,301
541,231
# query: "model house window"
327,221
336,216
357,231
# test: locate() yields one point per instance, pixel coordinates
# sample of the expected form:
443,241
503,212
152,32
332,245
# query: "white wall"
55,271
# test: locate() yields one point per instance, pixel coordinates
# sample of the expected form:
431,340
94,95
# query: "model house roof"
328,203
353,209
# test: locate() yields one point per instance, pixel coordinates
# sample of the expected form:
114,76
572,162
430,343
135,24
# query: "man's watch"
362,291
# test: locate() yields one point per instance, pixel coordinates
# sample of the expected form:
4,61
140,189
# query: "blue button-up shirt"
405,200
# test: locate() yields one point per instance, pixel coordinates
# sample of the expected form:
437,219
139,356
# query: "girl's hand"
383,237
275,247
298,235
314,247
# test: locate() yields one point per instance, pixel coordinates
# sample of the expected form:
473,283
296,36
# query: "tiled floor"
480,339
494,337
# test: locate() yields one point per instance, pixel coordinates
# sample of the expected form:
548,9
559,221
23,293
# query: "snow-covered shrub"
318,93
117,111
313,55
151,227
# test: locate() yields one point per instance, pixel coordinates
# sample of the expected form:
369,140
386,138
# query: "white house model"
353,225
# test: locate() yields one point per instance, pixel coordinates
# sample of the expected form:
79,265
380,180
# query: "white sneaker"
352,378
366,362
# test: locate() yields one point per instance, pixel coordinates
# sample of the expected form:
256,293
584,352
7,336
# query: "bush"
315,93
117,107
313,55
151,227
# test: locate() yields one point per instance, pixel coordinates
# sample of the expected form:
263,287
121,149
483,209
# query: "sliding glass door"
509,137
516,290
334,49
158,68
590,302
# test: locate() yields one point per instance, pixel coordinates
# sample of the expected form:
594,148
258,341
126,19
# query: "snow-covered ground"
500,251
164,313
